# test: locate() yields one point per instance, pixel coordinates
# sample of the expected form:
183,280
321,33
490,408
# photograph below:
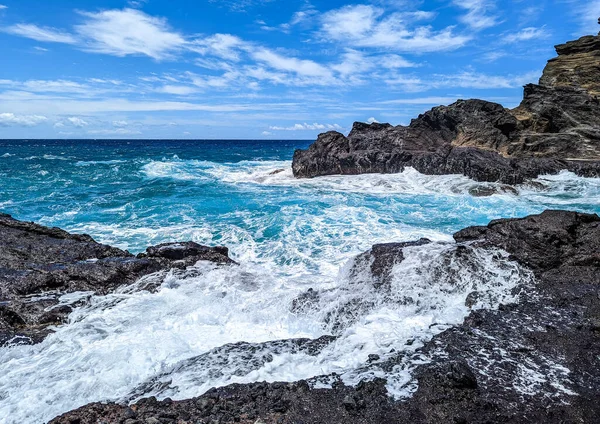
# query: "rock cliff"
556,127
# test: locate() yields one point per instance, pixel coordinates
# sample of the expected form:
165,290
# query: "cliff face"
557,126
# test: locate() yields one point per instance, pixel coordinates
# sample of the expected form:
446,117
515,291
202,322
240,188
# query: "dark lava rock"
556,127
535,360
381,259
39,264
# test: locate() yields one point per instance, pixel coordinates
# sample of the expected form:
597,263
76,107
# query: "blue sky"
264,68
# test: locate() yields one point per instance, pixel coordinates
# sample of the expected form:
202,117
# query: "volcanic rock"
556,127
39,264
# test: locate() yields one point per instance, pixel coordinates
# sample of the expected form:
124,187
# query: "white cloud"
394,61
587,14
2,7
367,26
307,127
178,90
493,56
136,3
129,32
225,46
57,86
300,17
46,34
351,21
105,81
77,122
526,34
305,68
10,119
406,83
353,62
372,120
479,13
267,133
120,124
483,81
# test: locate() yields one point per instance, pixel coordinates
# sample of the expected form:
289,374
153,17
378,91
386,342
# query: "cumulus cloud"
372,120
120,124
10,120
306,127
368,26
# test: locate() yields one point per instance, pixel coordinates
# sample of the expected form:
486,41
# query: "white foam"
188,170
124,339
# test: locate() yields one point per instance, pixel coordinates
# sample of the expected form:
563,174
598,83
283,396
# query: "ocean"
288,235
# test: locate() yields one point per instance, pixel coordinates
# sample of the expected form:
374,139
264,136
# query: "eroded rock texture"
556,127
39,264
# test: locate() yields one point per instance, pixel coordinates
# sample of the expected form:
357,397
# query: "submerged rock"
535,360
556,127
39,264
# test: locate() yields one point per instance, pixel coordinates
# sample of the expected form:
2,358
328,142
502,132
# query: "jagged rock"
556,127
38,264
532,361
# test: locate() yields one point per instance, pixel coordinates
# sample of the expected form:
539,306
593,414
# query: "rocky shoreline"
556,127
533,360
38,265
533,356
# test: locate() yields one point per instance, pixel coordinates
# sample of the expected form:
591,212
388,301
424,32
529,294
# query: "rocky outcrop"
556,127
535,360
39,264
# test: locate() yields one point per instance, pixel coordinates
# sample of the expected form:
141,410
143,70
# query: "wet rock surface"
556,127
39,264
534,360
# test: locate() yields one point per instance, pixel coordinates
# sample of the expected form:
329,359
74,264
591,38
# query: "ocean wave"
190,170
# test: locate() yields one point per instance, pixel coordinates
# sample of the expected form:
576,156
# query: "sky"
264,69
